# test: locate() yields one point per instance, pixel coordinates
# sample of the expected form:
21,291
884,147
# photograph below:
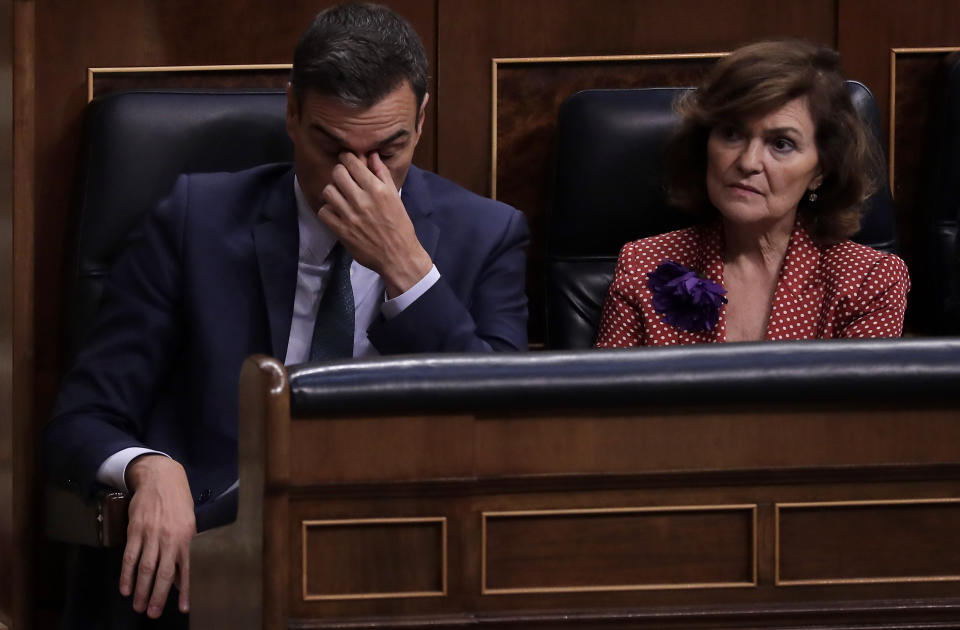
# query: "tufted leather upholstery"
608,191
136,144
936,296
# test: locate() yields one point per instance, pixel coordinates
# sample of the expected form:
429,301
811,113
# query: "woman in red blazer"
771,146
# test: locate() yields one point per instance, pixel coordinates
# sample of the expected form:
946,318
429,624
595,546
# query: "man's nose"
750,159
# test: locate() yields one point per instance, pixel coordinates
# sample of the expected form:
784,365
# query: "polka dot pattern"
847,290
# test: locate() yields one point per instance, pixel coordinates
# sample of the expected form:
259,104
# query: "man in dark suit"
351,252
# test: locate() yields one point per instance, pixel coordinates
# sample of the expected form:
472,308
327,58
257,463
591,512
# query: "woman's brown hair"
756,80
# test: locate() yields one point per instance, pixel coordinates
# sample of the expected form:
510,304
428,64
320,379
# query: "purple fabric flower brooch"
684,299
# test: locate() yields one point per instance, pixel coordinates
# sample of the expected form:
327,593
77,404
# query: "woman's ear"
816,181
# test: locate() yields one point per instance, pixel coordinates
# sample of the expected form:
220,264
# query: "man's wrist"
402,278
394,306
142,467
112,472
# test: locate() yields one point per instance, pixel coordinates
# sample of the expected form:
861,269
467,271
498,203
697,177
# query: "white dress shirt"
369,297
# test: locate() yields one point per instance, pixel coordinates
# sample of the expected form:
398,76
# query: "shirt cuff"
113,470
392,308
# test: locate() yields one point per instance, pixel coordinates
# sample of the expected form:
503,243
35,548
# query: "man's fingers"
161,585
359,171
335,211
348,188
131,554
161,526
184,581
380,170
145,572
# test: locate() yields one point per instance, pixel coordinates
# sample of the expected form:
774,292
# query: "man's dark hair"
358,53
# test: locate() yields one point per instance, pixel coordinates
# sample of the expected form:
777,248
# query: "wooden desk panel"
623,518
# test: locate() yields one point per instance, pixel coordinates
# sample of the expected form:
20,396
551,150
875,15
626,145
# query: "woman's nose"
750,159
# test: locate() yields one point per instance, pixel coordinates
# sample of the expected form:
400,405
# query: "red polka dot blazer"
847,290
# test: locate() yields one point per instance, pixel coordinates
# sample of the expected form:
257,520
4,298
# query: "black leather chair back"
935,298
608,190
136,144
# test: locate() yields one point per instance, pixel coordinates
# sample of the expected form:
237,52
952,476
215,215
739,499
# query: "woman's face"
759,169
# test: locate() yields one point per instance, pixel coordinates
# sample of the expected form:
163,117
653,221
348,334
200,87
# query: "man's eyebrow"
328,133
398,134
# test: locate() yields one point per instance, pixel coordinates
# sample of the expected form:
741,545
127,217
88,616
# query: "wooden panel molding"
619,549
866,542
12,564
19,433
913,72
101,81
915,84
374,558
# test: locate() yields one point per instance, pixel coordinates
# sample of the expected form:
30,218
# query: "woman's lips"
746,188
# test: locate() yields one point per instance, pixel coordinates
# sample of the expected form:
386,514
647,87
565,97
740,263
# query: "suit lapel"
276,240
419,204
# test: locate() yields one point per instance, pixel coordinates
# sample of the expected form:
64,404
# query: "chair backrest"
608,191
135,146
935,298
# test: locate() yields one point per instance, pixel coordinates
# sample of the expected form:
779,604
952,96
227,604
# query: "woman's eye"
783,145
386,156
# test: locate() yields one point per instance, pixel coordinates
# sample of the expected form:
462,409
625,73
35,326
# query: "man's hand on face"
161,526
364,210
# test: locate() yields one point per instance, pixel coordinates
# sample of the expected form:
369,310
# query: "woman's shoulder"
680,246
851,263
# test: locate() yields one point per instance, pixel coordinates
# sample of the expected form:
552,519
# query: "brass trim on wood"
485,590
839,581
93,72
497,61
893,97
442,520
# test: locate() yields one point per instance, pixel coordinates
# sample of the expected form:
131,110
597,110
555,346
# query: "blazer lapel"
799,288
276,240
419,204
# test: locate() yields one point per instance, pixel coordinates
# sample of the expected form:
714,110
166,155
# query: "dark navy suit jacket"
211,279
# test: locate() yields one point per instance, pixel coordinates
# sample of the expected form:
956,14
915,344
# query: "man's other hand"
364,210
161,526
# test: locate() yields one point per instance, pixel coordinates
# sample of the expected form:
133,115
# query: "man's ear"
422,114
293,112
